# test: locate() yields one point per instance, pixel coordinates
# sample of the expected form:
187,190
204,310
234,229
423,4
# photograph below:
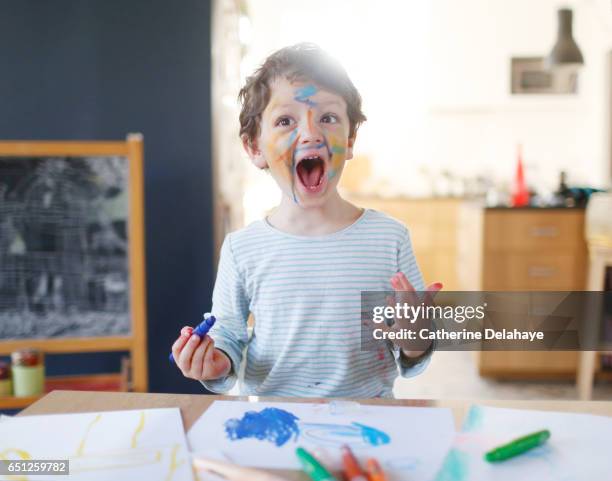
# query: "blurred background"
489,128
489,134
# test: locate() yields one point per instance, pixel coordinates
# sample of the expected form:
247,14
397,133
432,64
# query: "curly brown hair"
300,62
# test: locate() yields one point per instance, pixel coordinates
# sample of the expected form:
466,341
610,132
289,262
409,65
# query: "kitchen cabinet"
528,250
433,225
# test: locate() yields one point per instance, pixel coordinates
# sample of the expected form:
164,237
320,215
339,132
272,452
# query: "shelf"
519,104
93,382
11,402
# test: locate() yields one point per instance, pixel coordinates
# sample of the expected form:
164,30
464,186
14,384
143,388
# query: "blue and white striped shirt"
305,295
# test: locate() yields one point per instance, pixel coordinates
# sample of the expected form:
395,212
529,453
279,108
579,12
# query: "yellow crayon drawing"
88,458
139,429
21,454
174,464
81,447
107,460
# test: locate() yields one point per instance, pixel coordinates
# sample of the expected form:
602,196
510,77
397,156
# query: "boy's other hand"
199,360
405,293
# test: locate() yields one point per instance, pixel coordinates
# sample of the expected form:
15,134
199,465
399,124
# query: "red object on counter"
27,357
520,194
5,370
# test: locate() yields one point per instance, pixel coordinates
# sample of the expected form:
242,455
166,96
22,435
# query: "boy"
301,270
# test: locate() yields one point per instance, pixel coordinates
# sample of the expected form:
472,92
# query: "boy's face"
304,140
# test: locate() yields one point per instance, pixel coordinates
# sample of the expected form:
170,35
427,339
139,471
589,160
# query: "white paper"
409,442
578,448
141,444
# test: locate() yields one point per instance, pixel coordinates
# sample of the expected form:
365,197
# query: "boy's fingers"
431,292
180,342
390,301
208,354
178,345
185,358
401,284
404,282
197,361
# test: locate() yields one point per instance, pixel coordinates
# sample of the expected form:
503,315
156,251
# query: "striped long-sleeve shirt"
305,295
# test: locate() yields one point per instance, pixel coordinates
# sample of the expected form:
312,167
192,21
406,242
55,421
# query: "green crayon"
312,467
517,446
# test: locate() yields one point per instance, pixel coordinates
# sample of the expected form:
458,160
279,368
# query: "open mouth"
311,170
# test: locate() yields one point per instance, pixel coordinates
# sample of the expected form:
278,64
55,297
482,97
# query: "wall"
435,76
87,69
476,120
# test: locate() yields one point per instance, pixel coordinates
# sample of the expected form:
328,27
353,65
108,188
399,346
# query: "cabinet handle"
544,231
541,271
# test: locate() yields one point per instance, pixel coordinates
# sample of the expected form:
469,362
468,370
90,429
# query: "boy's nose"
310,133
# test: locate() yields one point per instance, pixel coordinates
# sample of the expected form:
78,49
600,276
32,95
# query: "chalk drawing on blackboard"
63,247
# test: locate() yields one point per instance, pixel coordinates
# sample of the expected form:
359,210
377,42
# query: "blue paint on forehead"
302,95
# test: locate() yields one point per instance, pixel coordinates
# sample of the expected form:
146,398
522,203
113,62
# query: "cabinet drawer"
528,364
533,230
524,271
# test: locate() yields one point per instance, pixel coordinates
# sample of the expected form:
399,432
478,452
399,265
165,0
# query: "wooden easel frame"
136,341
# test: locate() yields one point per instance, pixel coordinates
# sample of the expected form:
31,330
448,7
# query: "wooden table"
192,406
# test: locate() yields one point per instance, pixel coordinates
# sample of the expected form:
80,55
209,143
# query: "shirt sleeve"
230,307
409,367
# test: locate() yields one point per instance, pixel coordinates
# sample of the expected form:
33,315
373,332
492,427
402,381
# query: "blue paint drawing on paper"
271,424
474,419
373,436
279,427
455,467
339,434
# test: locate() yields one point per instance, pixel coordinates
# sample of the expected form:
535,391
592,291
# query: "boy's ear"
349,149
252,149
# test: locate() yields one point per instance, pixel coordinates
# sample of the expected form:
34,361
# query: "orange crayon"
351,466
375,472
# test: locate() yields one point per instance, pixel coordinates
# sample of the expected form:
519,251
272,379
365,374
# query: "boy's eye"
283,122
329,119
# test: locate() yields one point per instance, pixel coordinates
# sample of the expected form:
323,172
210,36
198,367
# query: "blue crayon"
201,330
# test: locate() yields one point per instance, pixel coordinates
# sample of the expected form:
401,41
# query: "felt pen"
312,467
517,446
351,466
201,330
375,472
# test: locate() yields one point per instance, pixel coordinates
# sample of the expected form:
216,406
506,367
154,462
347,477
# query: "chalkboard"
72,248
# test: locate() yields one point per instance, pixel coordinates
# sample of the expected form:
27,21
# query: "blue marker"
201,330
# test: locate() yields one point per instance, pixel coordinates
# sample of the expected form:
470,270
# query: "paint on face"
304,93
287,156
283,159
284,147
337,151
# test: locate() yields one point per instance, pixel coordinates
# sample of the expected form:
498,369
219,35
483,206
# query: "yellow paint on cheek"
337,145
280,151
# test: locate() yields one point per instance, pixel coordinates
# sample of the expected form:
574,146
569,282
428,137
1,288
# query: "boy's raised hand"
405,293
199,360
